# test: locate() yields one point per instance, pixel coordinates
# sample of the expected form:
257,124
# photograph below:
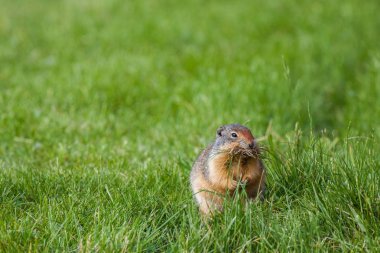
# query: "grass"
105,105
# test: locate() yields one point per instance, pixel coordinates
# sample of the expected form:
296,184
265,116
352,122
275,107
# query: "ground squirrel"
231,160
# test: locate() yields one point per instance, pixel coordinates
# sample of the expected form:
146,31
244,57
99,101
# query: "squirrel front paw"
246,180
233,184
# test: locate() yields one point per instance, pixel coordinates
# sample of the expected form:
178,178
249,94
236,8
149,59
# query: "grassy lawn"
104,105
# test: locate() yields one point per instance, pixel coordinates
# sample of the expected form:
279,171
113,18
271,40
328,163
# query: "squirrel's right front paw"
233,184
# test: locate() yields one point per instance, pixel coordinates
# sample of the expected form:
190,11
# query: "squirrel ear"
219,131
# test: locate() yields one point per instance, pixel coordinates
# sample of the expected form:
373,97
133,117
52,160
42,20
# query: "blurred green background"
115,87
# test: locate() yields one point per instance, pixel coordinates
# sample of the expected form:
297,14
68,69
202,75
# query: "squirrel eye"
234,135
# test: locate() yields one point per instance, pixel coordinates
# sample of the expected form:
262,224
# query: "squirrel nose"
252,144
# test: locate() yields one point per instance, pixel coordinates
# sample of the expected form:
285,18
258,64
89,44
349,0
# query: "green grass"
104,105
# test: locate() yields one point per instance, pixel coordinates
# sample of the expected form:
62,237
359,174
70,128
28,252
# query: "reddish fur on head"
247,135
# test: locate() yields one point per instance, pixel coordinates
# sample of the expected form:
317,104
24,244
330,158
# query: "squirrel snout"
252,145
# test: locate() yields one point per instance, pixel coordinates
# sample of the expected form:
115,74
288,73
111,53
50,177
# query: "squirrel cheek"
231,146
242,144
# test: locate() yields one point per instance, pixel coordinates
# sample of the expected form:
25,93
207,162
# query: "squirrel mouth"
238,151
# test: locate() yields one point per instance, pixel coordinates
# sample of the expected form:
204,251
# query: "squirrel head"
237,140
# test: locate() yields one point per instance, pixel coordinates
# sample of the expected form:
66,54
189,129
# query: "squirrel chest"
226,172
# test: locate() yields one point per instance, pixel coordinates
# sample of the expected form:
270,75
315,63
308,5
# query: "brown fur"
218,171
